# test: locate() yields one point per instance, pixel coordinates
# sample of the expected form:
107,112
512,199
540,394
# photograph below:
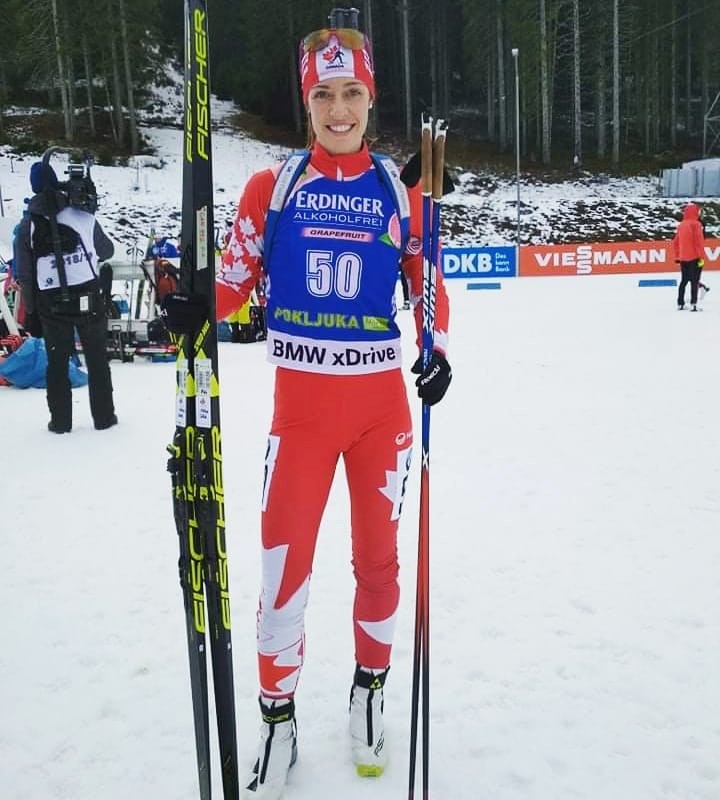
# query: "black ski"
195,455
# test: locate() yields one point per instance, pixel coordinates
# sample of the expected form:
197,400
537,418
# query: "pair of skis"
432,168
195,462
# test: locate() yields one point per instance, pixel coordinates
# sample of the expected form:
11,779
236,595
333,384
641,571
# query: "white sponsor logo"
333,357
585,257
319,201
473,264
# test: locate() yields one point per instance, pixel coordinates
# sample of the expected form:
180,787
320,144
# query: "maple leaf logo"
395,481
333,55
274,673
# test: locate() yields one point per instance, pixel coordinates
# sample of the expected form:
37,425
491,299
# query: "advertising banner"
478,262
617,258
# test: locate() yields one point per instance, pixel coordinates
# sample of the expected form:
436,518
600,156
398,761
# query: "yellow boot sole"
369,770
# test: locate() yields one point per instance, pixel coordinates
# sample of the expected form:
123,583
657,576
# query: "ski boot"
367,731
59,427
277,753
106,422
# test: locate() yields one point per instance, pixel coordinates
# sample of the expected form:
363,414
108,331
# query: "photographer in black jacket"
58,247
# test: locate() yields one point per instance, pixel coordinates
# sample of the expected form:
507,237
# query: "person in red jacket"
689,251
339,389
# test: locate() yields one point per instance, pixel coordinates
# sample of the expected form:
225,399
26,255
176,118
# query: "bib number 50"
325,276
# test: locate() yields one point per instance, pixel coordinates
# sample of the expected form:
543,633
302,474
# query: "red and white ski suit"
339,391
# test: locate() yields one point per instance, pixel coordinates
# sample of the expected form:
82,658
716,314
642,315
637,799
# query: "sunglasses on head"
348,37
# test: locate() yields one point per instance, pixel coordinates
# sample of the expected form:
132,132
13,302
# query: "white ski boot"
277,753
367,731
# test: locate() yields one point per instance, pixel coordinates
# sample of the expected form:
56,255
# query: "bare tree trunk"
673,80
490,95
134,138
368,27
117,89
61,70
444,79
406,70
601,105
704,49
433,63
616,84
577,110
111,115
292,72
655,92
3,95
544,85
88,81
502,104
69,72
393,22
688,81
646,109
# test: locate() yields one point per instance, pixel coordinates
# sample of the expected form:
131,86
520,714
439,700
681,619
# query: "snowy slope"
144,195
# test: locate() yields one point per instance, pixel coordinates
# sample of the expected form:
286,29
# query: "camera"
344,18
79,187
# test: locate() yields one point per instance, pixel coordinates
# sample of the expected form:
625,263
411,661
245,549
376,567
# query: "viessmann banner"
618,258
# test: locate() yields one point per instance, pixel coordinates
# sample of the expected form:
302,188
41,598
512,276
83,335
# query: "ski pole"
421,654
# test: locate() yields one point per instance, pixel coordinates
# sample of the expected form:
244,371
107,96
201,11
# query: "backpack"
294,167
68,240
166,280
42,240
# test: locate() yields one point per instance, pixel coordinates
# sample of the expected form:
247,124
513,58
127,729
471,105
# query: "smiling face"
339,114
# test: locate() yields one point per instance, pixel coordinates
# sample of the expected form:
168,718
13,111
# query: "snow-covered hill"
144,196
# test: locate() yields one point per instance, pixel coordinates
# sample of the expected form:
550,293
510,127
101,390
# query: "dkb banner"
478,262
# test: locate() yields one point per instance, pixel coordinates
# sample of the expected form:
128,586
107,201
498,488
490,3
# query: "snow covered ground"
575,606
575,559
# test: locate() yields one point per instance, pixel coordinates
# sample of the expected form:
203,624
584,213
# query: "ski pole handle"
426,157
438,160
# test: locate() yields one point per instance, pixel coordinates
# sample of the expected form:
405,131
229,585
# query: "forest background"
620,85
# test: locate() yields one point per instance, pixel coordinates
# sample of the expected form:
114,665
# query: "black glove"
434,379
410,174
184,313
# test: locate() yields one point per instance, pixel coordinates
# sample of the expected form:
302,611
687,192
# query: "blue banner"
479,262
